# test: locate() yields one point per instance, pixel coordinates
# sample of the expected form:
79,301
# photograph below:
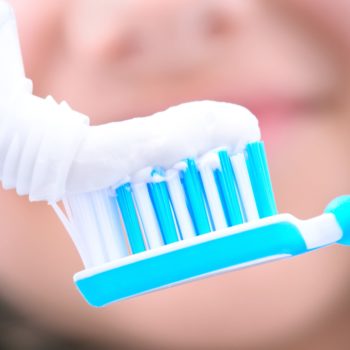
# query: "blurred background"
287,61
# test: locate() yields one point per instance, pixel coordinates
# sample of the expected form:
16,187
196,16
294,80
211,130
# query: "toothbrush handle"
340,208
269,239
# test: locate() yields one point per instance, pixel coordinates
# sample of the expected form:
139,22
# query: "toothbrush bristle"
128,211
191,181
260,179
158,207
228,189
162,205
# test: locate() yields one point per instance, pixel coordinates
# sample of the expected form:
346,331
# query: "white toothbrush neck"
320,231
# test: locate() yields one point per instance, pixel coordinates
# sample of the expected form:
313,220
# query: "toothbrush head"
162,227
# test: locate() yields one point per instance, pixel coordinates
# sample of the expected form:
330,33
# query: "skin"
112,60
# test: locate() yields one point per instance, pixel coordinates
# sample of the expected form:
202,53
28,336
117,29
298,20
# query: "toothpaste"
110,152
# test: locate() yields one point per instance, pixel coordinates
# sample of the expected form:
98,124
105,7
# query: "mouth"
277,105
278,114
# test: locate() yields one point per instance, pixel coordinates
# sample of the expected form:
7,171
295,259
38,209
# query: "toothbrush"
167,223
163,227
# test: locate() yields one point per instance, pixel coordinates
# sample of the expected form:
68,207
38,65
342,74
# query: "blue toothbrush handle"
231,248
340,208
236,247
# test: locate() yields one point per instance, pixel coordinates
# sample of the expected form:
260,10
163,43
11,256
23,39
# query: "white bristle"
75,234
147,215
244,187
123,229
110,229
86,222
178,201
207,164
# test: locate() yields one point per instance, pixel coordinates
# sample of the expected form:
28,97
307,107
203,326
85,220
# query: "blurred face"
112,60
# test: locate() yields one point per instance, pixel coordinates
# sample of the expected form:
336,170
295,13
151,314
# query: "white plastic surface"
320,230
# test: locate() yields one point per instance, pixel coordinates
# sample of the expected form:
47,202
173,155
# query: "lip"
271,107
277,114
272,103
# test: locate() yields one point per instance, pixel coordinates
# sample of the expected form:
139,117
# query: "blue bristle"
162,205
196,197
194,194
130,218
260,179
228,190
